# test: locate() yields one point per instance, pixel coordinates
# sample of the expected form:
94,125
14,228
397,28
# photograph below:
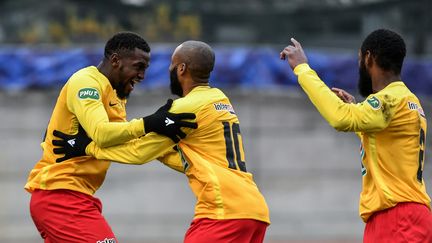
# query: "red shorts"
227,230
405,222
69,216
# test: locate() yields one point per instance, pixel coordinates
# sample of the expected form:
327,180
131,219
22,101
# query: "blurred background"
309,173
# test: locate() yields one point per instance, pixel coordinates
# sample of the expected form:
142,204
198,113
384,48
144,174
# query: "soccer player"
229,207
62,204
391,125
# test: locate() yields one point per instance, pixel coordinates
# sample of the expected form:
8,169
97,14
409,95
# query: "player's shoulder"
392,94
87,83
199,98
85,71
88,76
407,99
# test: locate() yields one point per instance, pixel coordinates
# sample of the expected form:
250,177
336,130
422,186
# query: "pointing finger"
296,43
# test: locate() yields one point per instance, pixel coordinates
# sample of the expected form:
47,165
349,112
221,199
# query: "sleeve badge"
374,102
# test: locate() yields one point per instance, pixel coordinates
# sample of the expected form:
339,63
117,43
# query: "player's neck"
382,79
189,86
103,68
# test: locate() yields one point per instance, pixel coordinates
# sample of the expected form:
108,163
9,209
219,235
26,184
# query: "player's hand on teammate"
344,96
70,145
294,53
169,124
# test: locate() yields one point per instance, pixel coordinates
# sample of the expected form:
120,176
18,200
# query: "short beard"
175,86
365,81
120,87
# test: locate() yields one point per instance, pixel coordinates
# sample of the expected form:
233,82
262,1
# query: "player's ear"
368,59
114,59
181,68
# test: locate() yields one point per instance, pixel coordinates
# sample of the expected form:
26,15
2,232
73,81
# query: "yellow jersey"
87,99
392,127
211,156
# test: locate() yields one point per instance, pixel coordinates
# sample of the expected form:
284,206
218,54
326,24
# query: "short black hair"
125,42
387,48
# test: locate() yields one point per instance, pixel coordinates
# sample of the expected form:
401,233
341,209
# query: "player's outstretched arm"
161,122
93,117
84,101
137,151
335,107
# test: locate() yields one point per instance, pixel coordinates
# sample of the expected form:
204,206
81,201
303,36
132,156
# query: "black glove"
70,145
168,124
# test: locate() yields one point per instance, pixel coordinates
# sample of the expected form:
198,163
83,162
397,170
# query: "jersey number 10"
421,156
232,136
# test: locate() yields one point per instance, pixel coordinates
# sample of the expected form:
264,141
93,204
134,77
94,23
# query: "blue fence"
249,67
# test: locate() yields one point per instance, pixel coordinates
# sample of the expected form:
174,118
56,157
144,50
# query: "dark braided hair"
387,48
125,42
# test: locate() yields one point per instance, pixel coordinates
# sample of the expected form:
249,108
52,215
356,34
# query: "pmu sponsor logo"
414,106
106,240
224,107
89,93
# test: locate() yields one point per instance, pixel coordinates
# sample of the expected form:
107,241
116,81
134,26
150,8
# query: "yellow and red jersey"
392,127
87,99
211,156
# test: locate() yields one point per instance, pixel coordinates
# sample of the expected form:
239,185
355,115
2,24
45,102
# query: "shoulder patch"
224,107
414,106
374,102
88,93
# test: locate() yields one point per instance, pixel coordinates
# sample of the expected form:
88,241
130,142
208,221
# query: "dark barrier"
248,67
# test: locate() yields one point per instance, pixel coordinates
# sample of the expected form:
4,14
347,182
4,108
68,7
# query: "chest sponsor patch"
224,107
88,93
374,102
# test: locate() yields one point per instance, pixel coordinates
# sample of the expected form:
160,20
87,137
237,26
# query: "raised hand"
70,145
294,54
169,124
